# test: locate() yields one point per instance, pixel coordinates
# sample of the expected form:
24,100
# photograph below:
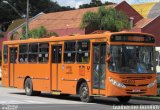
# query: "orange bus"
120,64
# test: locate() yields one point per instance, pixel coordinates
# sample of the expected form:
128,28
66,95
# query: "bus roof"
73,37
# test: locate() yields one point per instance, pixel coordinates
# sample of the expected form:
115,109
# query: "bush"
34,33
53,34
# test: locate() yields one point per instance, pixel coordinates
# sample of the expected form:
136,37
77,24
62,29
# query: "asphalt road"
15,99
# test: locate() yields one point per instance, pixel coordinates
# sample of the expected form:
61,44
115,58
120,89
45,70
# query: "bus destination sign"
133,38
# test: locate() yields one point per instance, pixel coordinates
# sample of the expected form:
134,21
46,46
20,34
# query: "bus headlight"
152,84
116,83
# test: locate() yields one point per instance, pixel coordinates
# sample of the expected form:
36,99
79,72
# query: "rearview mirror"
108,58
108,49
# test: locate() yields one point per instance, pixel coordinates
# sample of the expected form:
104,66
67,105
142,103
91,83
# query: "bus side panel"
5,70
15,76
39,74
75,72
5,75
63,84
63,80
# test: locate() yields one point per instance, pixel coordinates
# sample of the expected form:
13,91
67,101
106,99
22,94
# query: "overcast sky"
76,3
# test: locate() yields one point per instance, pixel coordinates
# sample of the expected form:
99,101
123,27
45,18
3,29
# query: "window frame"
76,51
89,51
5,53
35,53
57,54
68,51
43,52
26,53
15,54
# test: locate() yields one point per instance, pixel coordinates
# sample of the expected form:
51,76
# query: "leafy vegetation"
38,33
34,33
105,19
52,34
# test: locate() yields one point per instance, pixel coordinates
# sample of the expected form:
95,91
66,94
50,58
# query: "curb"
147,98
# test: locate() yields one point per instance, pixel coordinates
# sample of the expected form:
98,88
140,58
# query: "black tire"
29,87
84,93
124,99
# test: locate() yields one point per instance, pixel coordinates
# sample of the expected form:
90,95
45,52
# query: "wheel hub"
84,92
28,88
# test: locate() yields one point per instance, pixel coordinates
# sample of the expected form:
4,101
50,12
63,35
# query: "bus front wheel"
124,99
29,87
84,93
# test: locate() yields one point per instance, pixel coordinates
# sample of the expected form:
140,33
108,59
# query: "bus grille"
136,77
140,85
136,92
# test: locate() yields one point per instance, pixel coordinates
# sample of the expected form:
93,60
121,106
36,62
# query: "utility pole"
27,19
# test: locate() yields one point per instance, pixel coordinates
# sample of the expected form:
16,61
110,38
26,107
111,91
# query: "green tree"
95,3
105,19
7,14
38,33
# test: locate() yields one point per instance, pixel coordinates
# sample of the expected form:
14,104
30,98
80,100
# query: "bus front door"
99,69
56,62
12,62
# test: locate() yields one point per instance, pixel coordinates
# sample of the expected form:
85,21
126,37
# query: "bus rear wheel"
124,99
29,88
84,93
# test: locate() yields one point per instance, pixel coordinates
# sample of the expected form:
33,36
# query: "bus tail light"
152,84
116,83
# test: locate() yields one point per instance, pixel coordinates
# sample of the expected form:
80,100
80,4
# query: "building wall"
154,28
136,30
129,11
68,31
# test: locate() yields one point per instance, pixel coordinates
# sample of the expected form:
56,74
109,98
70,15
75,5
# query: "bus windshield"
132,59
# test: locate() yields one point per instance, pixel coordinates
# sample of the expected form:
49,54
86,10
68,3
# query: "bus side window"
33,53
23,53
83,53
43,52
69,51
5,54
157,58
